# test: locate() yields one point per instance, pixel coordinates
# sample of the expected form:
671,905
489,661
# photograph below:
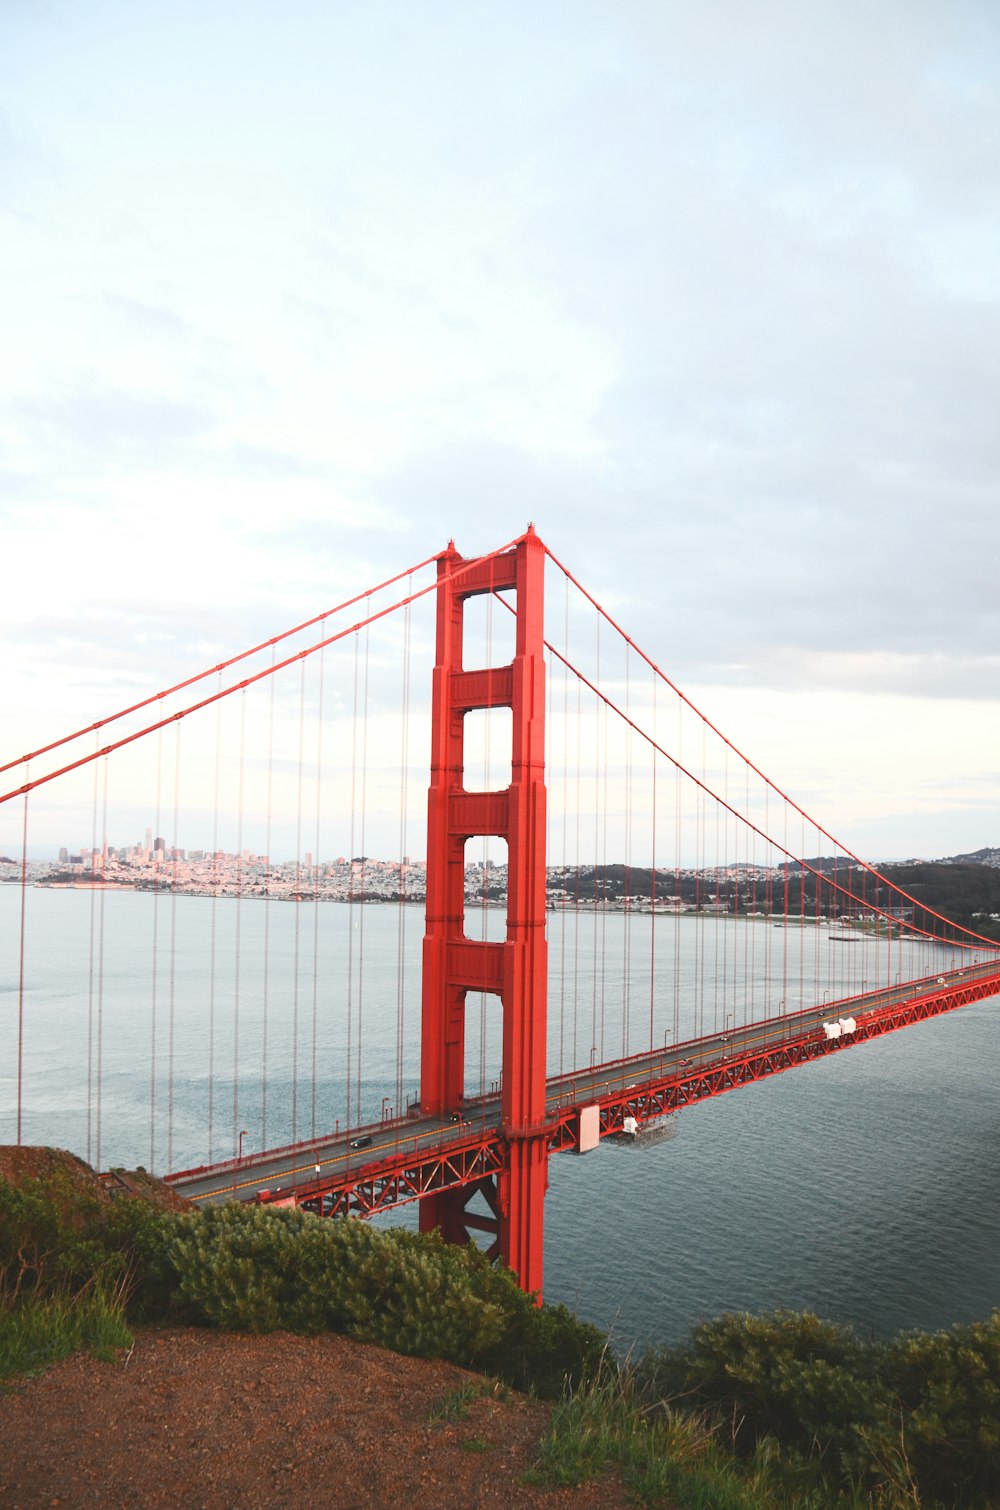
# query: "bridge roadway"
374,1167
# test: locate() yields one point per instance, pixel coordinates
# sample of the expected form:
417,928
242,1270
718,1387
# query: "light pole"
243,1133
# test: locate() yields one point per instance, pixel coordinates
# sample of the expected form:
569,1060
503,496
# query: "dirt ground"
227,1422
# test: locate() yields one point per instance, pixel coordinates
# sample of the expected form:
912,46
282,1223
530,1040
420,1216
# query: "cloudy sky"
293,293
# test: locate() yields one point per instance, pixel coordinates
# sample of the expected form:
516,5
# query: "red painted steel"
479,1160
515,970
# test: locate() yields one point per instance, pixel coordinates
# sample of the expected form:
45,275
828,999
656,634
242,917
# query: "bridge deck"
388,1163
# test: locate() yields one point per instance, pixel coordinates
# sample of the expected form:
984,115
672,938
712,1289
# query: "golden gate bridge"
643,919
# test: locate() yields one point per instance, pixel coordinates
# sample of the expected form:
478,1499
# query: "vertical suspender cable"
297,899
364,815
750,904
550,847
213,942
579,861
652,876
597,846
173,951
20,974
268,860
784,905
549,822
802,911
605,755
156,942
769,899
627,931
314,879
237,939
703,869
348,1061
727,861
404,772
678,842
100,972
819,885
717,972
90,967
565,822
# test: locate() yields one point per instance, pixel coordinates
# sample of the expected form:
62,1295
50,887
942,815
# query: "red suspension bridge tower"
515,970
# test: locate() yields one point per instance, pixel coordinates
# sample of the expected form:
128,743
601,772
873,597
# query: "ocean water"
864,1188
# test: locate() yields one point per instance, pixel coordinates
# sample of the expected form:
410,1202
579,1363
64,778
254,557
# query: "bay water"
864,1187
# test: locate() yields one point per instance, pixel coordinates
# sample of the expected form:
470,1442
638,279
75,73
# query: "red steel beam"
482,1157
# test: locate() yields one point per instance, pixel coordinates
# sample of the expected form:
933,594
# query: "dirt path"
227,1422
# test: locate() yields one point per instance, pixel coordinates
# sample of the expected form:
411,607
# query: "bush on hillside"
921,1412
946,1388
810,1384
258,1269
57,1238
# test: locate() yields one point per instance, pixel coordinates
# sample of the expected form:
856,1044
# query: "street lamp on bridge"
243,1133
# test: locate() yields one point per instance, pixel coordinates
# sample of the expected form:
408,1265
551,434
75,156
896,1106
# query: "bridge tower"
515,970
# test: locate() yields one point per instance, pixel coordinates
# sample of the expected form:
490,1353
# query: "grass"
677,1458
37,1333
455,1405
662,1456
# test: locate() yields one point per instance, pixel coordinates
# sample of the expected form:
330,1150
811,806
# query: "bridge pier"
515,970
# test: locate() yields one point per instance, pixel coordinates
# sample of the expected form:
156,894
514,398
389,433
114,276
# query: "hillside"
965,891
195,1417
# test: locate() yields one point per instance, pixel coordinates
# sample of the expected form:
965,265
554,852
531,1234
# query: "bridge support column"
515,970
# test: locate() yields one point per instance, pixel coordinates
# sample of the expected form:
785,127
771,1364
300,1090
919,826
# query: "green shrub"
543,1349
257,1269
811,1384
59,1239
947,1385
